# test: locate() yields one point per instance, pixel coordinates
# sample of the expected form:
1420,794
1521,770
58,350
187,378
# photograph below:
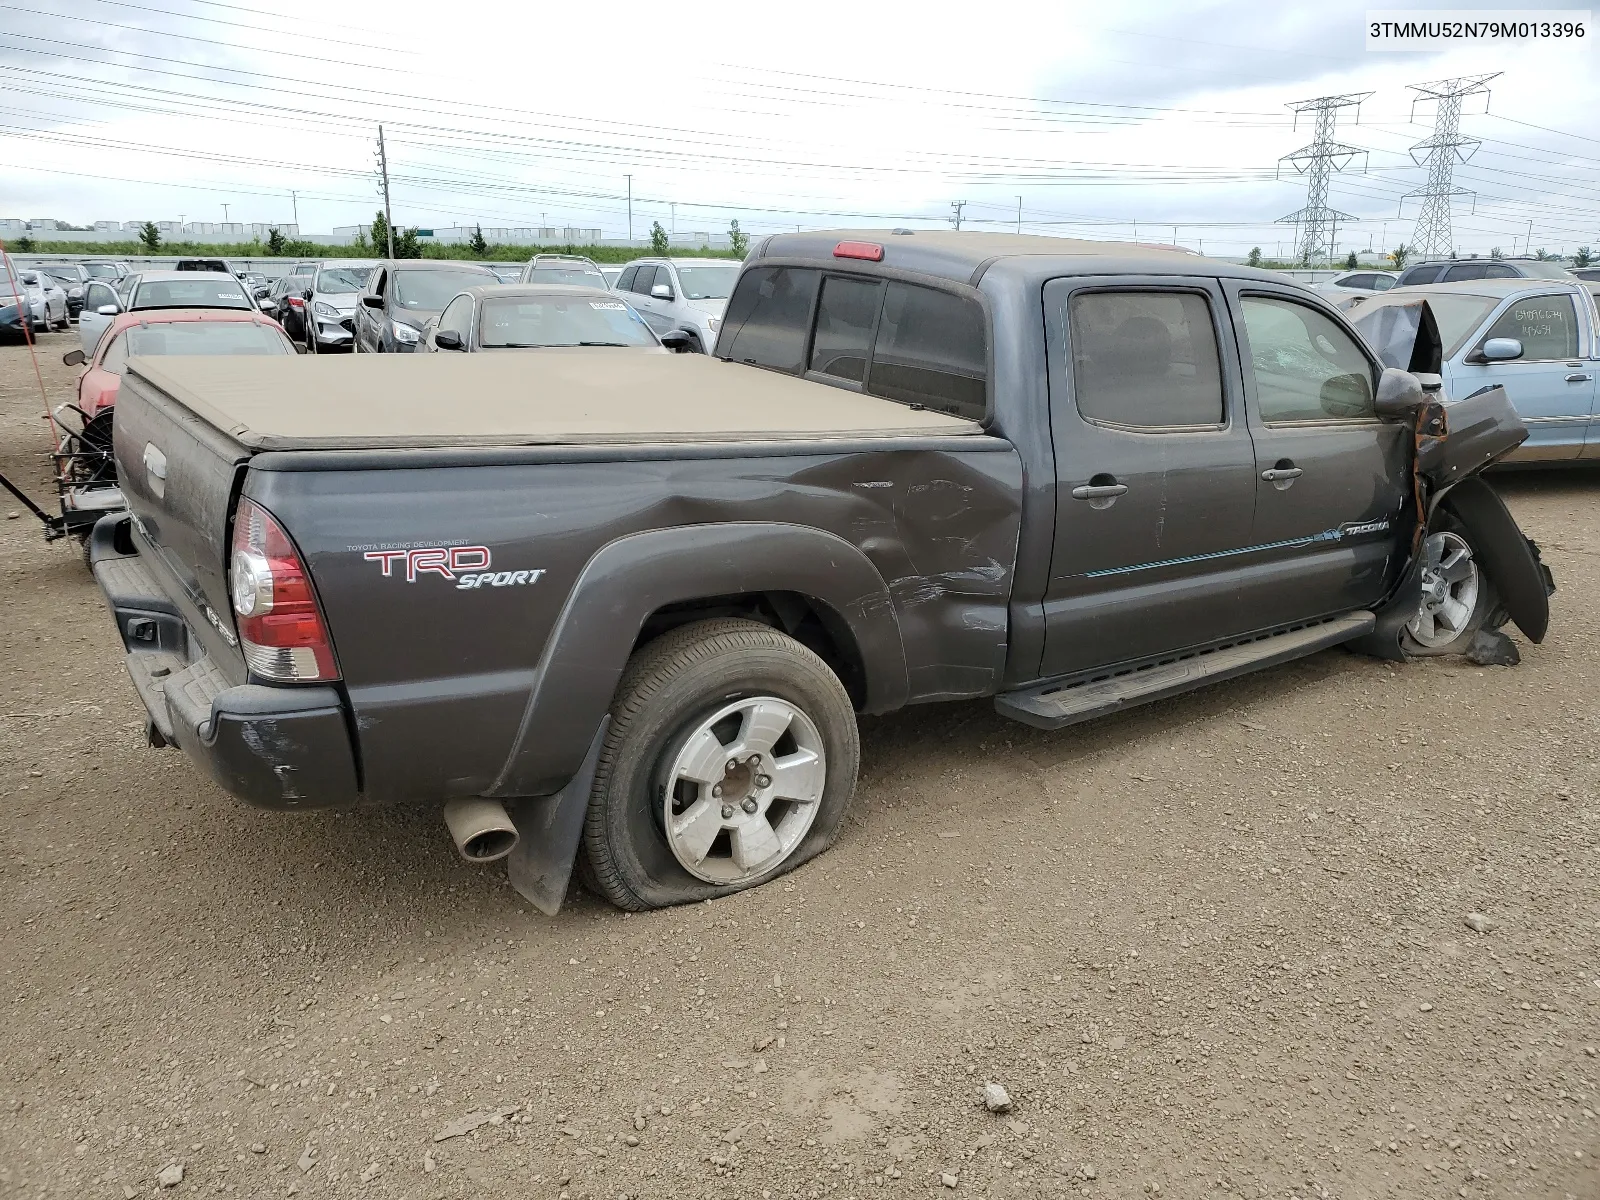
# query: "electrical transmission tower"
1316,221
1440,153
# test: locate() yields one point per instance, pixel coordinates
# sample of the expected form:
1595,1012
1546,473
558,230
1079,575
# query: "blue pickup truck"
1534,337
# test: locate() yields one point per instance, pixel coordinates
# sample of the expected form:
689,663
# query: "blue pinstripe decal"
1327,535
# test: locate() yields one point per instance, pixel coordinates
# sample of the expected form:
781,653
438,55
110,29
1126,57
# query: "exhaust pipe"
482,830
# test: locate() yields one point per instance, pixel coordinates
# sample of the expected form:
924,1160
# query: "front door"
1552,384
1332,482
1154,471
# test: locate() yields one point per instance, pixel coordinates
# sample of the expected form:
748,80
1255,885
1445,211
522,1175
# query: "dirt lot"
1212,947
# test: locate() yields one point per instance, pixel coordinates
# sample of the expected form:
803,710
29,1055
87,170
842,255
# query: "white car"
681,293
157,289
330,304
1350,288
47,300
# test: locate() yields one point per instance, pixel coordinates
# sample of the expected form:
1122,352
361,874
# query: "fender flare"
1507,556
633,576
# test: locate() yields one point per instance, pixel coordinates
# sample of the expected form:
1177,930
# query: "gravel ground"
1213,947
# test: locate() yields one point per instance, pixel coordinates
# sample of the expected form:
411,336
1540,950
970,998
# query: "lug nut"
763,781
733,765
716,789
727,812
755,760
748,805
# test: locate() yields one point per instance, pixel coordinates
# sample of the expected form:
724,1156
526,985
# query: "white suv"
681,293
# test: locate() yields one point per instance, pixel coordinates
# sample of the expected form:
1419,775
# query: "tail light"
296,302
281,628
870,251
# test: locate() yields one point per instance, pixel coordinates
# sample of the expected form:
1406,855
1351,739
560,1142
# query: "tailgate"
179,476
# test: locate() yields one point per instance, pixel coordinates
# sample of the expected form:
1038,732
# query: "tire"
694,344
753,678
1458,598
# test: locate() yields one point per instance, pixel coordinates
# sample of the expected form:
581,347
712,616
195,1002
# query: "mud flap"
1506,555
548,831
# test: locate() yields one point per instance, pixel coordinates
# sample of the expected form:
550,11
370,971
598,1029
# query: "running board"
1055,705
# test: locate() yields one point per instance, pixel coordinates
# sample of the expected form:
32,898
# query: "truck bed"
582,396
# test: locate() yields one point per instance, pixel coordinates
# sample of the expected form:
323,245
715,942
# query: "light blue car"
1534,337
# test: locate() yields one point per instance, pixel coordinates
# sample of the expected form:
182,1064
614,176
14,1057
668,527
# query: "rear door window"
625,280
1466,271
1547,327
931,350
644,279
1145,359
846,315
769,316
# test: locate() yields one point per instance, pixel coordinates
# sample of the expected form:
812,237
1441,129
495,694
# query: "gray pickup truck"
622,610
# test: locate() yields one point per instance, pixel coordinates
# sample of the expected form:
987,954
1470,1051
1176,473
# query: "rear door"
369,321
1154,471
649,307
1331,481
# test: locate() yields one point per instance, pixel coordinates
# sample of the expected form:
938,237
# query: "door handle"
1579,377
1274,474
1104,491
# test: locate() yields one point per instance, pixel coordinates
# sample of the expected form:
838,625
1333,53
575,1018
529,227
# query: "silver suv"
330,305
681,293
563,268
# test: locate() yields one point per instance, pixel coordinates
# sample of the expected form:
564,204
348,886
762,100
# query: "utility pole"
955,208
1317,162
294,199
674,205
1019,214
383,168
1433,237
224,214
630,208
1527,246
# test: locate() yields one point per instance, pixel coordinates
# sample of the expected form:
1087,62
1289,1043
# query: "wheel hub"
742,789
1449,591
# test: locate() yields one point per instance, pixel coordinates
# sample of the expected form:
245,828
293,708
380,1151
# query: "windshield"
101,271
429,291
190,293
557,321
581,276
1457,316
340,280
708,283
207,337
66,275
1543,270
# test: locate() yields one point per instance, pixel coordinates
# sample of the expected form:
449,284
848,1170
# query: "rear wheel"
731,758
1457,597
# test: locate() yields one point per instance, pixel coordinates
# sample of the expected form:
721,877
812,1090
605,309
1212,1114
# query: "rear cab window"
913,344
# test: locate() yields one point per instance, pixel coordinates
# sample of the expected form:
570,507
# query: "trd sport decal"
462,565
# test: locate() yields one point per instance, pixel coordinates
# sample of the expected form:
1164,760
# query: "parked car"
159,289
47,300
285,302
563,268
330,304
1350,288
681,293
505,272
1536,338
216,265
1465,270
628,605
73,279
165,332
403,295
533,316
610,273
1587,274
106,272
16,313
258,284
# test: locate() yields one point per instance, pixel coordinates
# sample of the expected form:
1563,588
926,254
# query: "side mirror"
1501,349
306,295
264,304
448,339
372,301
661,291
108,310
675,340
301,348
74,358
1400,394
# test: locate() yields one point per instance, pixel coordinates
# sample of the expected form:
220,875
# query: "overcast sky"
1112,121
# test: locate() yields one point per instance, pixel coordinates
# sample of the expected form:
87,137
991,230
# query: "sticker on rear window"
230,296
608,306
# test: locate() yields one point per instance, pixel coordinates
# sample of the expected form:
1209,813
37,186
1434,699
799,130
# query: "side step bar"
1056,705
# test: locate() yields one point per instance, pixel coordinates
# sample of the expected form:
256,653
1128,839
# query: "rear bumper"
272,747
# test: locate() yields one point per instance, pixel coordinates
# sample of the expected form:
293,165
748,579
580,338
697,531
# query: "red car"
170,331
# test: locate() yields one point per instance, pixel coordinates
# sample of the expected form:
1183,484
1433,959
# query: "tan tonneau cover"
518,398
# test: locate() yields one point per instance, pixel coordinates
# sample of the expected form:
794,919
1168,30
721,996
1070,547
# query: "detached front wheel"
731,758
1457,596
